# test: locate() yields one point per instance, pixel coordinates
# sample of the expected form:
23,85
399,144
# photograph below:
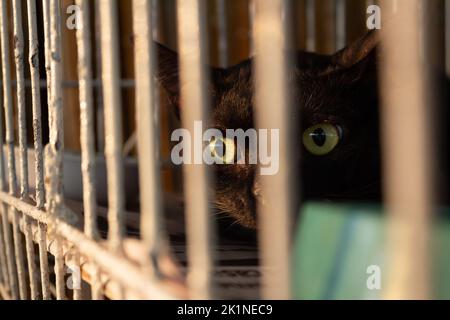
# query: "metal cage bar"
38,149
11,168
193,79
23,154
147,117
8,239
113,123
311,28
447,36
87,132
341,24
55,148
272,33
408,188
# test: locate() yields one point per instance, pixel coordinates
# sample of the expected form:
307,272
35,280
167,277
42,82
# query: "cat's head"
338,138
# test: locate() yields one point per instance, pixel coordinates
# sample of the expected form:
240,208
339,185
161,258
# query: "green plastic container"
339,248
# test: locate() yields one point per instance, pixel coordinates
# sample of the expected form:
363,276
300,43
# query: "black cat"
338,100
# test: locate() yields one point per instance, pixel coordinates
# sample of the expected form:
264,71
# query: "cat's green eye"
223,149
321,139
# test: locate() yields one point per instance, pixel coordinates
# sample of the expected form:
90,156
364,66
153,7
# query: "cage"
94,206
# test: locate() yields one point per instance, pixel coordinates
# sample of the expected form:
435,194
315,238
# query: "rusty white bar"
147,117
9,251
222,16
113,120
271,33
23,153
193,79
87,131
75,266
4,293
407,153
98,58
6,250
47,44
19,60
37,134
6,230
3,264
96,285
341,19
55,148
9,122
87,120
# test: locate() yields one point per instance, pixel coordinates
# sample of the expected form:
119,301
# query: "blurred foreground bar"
408,157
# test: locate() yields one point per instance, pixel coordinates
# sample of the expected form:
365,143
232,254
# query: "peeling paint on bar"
55,148
113,121
23,154
37,134
11,169
4,278
87,131
447,36
87,120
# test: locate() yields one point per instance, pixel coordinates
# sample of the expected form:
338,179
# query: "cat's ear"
357,52
168,74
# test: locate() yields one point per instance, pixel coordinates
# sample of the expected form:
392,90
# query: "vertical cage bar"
100,121
9,250
36,102
147,117
6,230
3,264
87,130
193,79
8,106
21,107
55,148
23,151
222,16
113,120
271,33
341,19
311,28
87,120
407,152
47,49
37,134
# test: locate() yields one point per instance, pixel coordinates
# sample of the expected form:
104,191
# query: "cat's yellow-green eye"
223,149
321,139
